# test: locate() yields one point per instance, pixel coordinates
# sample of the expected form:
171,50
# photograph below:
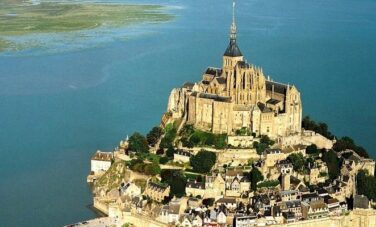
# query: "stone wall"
356,218
238,156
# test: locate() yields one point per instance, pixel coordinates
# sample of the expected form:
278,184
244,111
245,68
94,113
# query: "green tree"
319,127
138,143
366,184
154,135
176,180
333,163
260,147
312,149
169,137
208,202
152,169
346,142
255,176
244,131
170,151
203,161
266,140
163,160
297,161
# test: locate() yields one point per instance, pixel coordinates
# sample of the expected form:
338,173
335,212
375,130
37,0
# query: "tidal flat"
19,18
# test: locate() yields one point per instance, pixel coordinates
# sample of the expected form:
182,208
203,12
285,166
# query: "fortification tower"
286,171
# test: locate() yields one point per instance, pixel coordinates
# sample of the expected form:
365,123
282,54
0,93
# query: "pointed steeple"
233,49
233,25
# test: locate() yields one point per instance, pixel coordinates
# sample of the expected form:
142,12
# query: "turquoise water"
57,108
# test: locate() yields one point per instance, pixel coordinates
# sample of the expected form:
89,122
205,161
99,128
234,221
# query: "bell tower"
232,55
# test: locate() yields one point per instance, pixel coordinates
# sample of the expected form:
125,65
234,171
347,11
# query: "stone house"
289,195
130,189
101,161
315,209
221,218
293,206
157,191
242,220
228,202
182,156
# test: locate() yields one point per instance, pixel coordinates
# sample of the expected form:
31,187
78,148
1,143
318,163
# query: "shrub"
163,160
348,143
333,163
268,184
297,161
319,127
154,135
138,143
203,161
176,180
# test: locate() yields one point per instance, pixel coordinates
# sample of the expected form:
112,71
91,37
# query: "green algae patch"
4,45
17,18
64,17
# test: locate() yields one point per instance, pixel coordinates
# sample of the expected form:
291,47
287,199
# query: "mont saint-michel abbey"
236,96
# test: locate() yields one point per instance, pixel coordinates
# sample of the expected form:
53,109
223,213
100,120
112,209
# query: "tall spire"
233,25
233,49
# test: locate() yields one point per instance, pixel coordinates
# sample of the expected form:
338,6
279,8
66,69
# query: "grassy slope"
113,177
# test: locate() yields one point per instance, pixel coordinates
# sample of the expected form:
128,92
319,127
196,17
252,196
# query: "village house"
169,214
130,189
215,186
228,202
289,195
156,191
182,156
101,162
315,209
197,221
293,206
289,217
242,220
195,188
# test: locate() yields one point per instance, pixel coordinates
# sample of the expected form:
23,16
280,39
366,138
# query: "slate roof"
272,151
213,71
226,200
310,196
232,49
221,80
195,184
102,156
183,153
273,101
263,108
156,186
234,172
278,88
188,85
293,203
319,204
288,215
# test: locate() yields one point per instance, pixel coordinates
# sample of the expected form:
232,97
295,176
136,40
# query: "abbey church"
238,96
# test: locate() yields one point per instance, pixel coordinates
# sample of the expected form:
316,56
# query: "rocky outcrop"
176,102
